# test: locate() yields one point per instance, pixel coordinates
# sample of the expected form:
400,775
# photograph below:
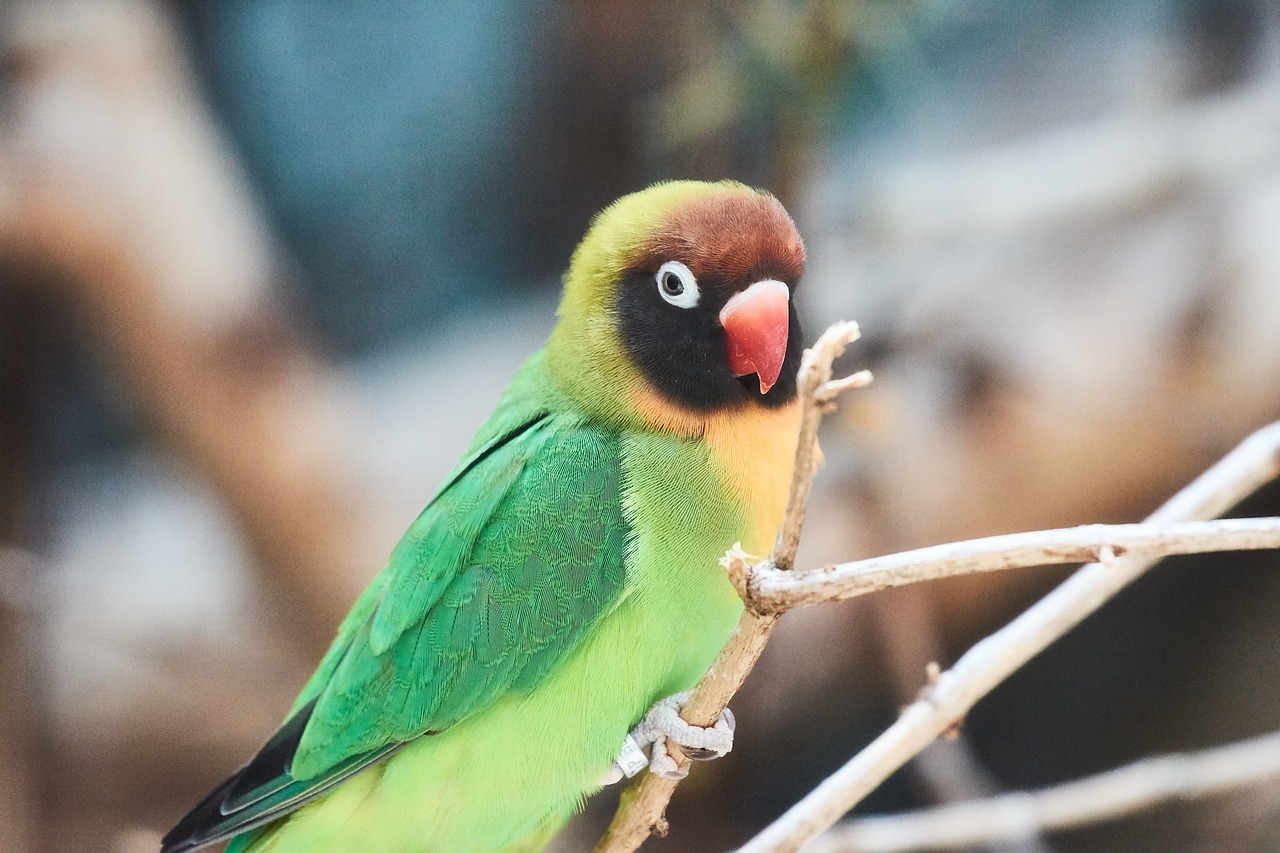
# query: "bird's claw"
663,721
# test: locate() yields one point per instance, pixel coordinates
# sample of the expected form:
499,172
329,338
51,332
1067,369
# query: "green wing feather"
500,577
521,405
518,555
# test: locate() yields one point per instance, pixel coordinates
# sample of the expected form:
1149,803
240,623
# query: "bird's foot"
663,721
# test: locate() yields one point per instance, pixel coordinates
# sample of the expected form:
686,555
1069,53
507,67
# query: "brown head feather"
741,238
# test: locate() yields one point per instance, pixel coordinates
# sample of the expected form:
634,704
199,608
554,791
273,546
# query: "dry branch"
769,589
945,702
1115,793
817,393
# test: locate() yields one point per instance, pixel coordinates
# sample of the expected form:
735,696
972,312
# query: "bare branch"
828,391
944,703
640,813
816,394
1112,794
769,589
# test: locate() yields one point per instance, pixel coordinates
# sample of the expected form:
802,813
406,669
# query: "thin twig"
1108,795
816,394
770,590
944,703
829,390
640,813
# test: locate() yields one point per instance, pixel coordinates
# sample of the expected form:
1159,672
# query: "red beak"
755,325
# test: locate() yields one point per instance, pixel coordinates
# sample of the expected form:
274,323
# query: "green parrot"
565,577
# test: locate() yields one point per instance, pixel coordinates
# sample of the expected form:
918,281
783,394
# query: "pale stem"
1024,814
769,589
816,393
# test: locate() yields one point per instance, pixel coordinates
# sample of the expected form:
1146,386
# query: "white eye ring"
677,285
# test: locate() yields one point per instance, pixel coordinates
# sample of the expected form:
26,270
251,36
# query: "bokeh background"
265,266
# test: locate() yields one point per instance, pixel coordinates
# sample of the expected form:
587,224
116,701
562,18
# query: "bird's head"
681,295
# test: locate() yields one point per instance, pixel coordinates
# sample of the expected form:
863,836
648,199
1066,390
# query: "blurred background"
265,266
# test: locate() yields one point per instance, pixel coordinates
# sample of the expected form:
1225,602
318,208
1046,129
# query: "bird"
564,579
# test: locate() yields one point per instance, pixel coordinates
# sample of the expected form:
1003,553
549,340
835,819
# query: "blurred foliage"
767,81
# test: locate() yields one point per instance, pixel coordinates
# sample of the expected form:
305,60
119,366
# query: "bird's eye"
677,285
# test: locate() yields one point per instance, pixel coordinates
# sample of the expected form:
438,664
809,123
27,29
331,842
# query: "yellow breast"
754,449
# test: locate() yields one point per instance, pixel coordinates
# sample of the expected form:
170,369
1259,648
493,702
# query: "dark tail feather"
263,790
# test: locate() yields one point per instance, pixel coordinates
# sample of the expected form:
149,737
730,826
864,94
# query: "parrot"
565,578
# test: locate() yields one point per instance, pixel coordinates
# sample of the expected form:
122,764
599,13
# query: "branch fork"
744,571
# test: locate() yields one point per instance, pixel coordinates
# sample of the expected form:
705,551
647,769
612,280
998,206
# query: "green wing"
513,561
498,579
